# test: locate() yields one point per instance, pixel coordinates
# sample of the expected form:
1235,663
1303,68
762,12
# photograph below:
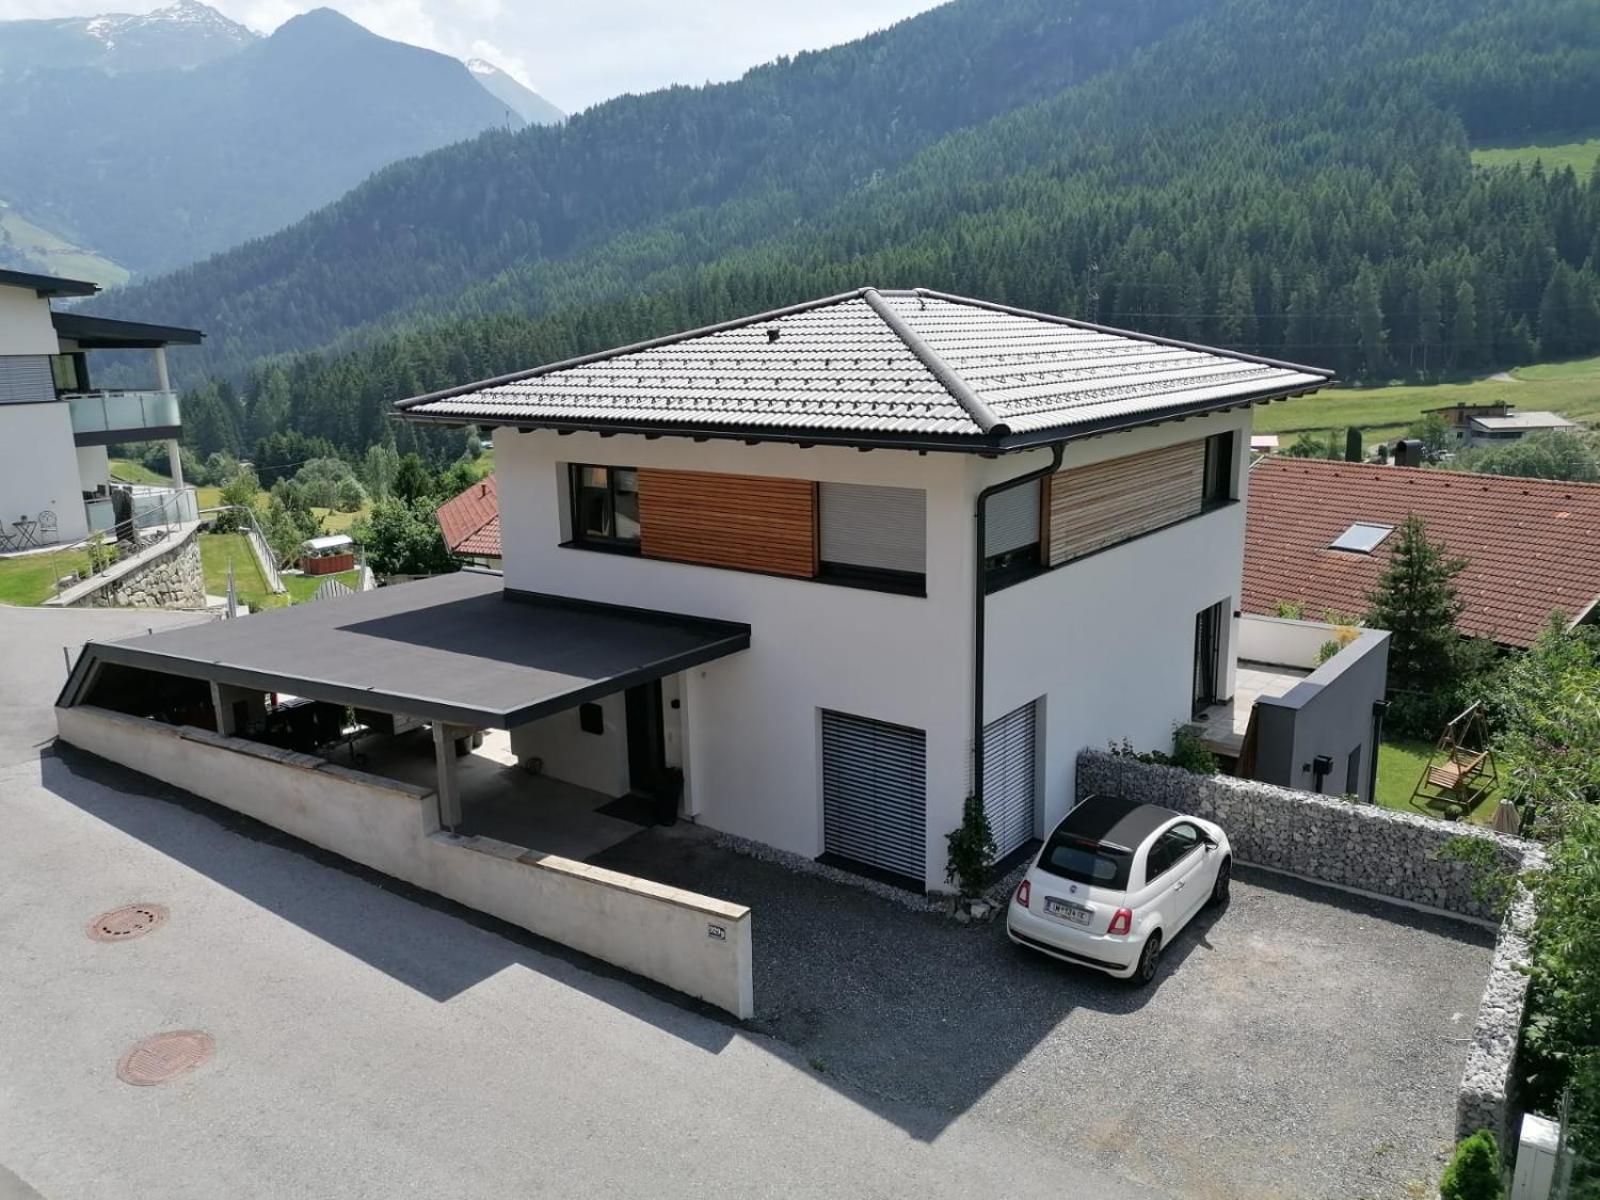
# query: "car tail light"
1024,891
1121,921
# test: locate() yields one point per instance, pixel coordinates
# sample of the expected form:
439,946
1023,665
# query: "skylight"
1362,538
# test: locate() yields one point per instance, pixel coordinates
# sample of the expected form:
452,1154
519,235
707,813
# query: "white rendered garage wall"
752,725
39,466
1109,639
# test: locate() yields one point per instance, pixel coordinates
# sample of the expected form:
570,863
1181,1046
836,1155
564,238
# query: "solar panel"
1362,538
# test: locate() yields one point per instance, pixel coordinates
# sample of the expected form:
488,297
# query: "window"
70,372
1169,850
1218,485
1011,534
1088,862
1361,538
873,536
605,507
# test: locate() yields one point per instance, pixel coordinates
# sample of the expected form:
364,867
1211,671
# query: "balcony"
99,418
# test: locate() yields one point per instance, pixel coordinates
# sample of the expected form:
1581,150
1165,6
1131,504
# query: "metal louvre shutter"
26,377
1008,778
874,793
866,526
1011,519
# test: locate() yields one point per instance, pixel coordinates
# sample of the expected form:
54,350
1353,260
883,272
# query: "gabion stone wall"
1375,850
1352,845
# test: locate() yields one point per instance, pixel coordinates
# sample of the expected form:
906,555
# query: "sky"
573,52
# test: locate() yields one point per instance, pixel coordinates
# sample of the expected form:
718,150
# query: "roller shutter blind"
1009,778
874,793
1011,519
884,528
1100,505
26,377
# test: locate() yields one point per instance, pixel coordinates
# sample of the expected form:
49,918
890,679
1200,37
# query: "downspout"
1379,707
980,598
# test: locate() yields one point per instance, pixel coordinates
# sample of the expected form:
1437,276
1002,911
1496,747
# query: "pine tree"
1417,602
1430,326
1374,338
1464,327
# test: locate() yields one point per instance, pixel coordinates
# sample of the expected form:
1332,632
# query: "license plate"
1076,913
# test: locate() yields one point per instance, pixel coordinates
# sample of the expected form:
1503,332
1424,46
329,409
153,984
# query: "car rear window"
1086,862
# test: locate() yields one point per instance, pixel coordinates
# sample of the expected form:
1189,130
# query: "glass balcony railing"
119,412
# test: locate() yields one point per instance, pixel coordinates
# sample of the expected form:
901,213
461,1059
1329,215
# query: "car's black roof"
1115,820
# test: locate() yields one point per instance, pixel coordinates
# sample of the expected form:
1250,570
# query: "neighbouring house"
1460,417
470,524
814,575
1491,430
55,479
1319,535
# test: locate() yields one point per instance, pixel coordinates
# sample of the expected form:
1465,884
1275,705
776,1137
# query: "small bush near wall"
1474,1172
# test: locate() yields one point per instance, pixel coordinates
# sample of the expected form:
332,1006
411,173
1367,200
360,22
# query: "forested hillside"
1284,176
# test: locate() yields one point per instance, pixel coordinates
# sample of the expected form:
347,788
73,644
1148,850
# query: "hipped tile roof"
869,365
1532,545
471,521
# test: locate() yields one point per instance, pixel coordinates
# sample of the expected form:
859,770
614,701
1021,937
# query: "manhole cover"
164,1057
123,923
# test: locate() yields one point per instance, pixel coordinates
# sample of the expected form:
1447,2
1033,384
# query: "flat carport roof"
458,648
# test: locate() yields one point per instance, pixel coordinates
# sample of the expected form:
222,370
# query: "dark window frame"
78,360
575,489
1216,488
875,579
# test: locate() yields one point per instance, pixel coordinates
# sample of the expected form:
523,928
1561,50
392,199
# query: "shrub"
1474,1172
972,850
1289,610
1189,753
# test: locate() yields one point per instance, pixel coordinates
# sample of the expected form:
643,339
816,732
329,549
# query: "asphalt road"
371,1045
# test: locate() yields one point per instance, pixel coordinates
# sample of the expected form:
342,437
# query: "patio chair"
46,532
9,541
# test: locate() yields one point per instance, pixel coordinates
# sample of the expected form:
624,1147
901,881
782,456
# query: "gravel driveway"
1305,1043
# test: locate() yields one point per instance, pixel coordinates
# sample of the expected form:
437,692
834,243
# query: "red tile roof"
1533,545
471,521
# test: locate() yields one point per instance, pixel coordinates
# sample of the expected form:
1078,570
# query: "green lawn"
1579,155
303,587
1569,388
1400,765
31,578
127,471
217,552
334,521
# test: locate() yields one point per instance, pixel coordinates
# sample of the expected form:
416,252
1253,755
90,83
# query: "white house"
55,484
828,569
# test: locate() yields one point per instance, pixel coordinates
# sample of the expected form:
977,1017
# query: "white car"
1115,882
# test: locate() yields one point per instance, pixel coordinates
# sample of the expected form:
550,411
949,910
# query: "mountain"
533,108
183,35
1290,178
159,140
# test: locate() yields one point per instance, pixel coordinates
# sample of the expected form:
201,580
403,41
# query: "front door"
1207,651
646,745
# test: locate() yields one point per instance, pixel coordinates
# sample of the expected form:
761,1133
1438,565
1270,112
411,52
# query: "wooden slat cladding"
1099,505
747,522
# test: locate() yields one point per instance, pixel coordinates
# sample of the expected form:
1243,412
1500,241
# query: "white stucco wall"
1109,639
39,466
25,326
94,467
751,722
592,760
697,944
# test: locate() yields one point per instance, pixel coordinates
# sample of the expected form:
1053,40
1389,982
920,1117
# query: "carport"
459,652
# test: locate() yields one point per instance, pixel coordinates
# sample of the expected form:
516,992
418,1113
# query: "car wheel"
1220,890
1149,960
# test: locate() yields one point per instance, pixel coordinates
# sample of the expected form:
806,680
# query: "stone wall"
1358,846
1373,850
169,578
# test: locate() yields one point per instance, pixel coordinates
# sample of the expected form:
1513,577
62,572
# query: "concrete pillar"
177,469
444,756
224,698
163,383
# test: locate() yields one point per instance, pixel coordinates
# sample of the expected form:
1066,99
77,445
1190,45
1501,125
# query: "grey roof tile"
869,363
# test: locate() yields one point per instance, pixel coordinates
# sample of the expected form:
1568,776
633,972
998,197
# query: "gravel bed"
1304,1043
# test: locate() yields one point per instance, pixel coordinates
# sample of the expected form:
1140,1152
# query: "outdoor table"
25,527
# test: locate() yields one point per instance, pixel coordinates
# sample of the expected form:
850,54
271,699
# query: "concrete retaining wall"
694,944
1373,850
